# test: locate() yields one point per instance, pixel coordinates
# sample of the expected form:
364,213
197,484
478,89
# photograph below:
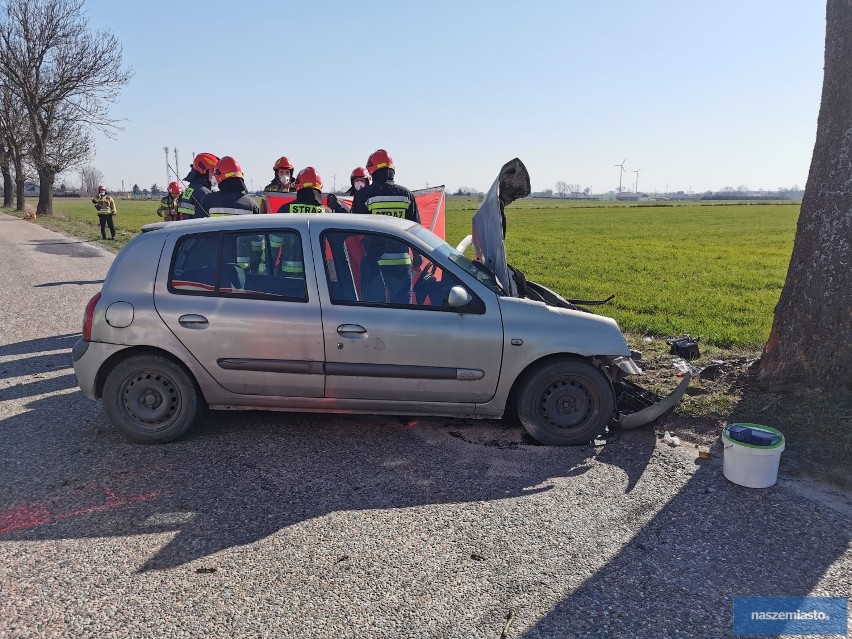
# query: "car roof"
237,222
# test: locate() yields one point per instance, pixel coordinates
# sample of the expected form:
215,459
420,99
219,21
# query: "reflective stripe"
395,259
389,198
228,210
293,267
275,241
256,246
394,205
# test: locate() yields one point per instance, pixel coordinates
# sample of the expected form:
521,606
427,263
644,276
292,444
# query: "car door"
246,307
418,350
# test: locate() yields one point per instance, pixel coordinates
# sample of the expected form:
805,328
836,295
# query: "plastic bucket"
752,454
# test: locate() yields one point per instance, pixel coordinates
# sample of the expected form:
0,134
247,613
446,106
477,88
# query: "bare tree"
6,170
562,188
16,138
810,345
573,189
65,77
90,177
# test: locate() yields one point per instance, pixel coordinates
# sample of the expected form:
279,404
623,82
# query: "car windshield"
482,273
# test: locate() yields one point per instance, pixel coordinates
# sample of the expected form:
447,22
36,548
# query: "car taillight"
89,317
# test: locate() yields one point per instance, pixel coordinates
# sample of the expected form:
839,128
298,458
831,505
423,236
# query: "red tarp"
430,202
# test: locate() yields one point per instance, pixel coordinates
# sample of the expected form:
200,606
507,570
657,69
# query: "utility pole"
177,165
334,183
166,150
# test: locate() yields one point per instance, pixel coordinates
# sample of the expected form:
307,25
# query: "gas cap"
119,314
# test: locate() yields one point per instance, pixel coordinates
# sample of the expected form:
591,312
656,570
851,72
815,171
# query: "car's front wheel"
565,402
151,399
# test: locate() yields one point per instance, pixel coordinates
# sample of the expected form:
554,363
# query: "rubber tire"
581,386
162,378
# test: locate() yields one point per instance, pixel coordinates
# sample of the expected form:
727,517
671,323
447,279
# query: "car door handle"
192,321
351,329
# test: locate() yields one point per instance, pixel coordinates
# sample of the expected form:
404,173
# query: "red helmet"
203,162
282,163
380,159
226,168
359,172
101,187
309,178
175,188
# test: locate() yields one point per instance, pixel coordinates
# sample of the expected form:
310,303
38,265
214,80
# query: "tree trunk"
810,345
46,177
20,202
8,186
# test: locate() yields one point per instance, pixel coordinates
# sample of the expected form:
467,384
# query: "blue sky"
696,95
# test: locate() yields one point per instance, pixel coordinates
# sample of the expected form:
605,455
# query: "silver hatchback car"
308,313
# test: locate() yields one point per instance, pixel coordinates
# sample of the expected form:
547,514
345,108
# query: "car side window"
194,266
266,265
250,265
373,269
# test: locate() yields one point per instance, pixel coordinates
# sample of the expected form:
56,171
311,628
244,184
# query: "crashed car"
284,312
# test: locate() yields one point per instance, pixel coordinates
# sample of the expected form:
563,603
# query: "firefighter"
283,181
288,256
393,258
169,203
232,197
105,206
200,184
358,179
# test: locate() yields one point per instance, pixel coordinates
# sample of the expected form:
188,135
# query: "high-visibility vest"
186,206
104,204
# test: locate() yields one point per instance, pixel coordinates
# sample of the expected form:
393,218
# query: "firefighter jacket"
383,197
386,198
231,199
307,201
189,203
287,255
168,207
276,187
104,204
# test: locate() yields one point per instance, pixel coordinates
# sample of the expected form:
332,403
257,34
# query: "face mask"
284,177
358,184
213,181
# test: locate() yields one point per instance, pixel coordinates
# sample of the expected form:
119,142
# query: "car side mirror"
458,297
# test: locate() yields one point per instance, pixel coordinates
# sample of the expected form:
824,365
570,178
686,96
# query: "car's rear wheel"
565,402
151,399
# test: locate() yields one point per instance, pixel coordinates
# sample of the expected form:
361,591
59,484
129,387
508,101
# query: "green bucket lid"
767,429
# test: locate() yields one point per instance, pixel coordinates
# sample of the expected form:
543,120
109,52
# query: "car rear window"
260,265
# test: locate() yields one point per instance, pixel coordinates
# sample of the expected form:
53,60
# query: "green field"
713,270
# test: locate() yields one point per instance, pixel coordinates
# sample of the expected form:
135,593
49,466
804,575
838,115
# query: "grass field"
713,270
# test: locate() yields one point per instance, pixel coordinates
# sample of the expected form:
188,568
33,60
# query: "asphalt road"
298,525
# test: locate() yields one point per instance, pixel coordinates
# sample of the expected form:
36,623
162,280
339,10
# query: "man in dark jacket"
199,179
392,258
232,197
288,258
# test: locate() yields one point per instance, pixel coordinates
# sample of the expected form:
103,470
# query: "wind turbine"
636,188
620,173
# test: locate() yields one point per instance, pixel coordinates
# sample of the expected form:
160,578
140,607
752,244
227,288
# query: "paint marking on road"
31,515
